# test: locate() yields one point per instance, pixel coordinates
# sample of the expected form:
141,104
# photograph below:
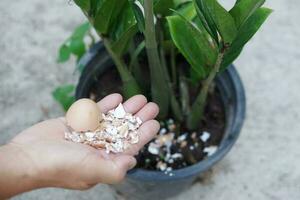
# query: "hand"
51,161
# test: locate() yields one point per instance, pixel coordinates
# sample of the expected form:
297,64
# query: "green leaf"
63,54
77,47
162,7
74,44
64,96
107,15
138,13
246,32
179,2
207,21
238,1
187,10
244,9
124,30
193,44
194,77
217,18
83,4
81,30
120,46
94,5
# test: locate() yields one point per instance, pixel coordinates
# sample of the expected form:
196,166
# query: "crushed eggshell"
182,137
119,112
210,150
161,165
177,155
205,136
117,132
154,148
165,139
163,131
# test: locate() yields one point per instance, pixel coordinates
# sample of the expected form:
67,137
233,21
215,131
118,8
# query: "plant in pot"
178,53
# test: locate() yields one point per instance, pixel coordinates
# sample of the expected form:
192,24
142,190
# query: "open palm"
61,163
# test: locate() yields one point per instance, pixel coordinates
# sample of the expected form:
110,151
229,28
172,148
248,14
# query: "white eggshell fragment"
120,112
205,136
84,115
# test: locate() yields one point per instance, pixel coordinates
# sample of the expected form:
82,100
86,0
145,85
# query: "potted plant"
178,53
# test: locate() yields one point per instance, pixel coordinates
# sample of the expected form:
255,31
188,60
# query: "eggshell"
84,115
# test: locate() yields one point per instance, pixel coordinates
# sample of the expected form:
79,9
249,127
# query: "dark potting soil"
186,148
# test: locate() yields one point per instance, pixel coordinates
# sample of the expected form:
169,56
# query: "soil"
192,148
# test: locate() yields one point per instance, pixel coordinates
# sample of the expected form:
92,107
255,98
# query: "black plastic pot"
144,184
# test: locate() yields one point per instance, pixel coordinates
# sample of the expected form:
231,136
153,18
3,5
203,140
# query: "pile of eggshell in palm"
113,131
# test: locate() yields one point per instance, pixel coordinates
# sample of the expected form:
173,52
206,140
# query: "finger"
124,163
112,170
135,103
149,111
146,133
109,102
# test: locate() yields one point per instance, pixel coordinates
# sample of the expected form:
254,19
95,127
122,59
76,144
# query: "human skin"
40,157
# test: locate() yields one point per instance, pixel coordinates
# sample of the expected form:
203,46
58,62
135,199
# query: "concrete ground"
265,162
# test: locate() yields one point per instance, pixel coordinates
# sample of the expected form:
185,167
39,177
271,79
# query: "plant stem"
130,86
134,65
159,87
184,95
200,102
92,38
173,66
174,103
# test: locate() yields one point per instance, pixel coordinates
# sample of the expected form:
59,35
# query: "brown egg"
84,115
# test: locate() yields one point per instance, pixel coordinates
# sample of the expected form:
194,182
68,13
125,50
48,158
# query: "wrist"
19,173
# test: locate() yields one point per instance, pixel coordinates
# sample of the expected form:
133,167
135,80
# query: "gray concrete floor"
265,162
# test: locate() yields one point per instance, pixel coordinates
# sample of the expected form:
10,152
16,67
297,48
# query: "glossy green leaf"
162,7
94,7
206,20
244,9
107,15
124,29
246,32
187,10
77,47
121,45
194,77
209,37
63,54
193,44
180,2
217,18
238,1
81,30
74,45
83,4
137,8
64,95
